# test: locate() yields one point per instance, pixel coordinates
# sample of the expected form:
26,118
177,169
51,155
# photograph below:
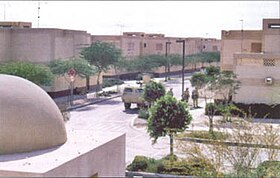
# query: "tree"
225,84
149,62
167,117
81,66
102,55
153,91
203,57
36,73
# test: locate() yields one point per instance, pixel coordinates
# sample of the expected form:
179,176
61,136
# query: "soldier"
186,95
195,97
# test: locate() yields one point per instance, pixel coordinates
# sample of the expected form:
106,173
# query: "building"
35,142
254,56
135,44
42,45
15,24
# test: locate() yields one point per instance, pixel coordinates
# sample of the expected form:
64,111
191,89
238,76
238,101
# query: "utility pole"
183,64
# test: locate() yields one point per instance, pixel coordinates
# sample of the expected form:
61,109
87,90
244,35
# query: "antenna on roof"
121,27
38,14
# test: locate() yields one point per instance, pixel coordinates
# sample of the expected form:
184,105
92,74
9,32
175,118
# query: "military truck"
133,95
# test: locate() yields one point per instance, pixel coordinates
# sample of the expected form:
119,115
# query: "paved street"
110,116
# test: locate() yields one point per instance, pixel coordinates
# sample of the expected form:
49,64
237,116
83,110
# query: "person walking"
195,97
186,95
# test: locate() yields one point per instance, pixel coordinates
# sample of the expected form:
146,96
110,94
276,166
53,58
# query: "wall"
233,41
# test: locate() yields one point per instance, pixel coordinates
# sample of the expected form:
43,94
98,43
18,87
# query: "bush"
108,82
143,113
269,169
140,163
201,168
172,165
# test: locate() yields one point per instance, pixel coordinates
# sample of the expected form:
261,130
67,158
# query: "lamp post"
168,65
183,64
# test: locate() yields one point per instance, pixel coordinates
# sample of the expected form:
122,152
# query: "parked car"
133,95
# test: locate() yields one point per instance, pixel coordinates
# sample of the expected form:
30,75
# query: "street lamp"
168,65
183,63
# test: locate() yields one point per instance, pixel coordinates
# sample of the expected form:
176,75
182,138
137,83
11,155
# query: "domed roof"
29,118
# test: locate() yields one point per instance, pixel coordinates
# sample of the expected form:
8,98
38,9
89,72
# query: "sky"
172,18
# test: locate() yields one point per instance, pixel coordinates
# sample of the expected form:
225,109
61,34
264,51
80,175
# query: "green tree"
149,62
204,57
36,73
153,91
226,85
103,55
199,80
167,117
81,66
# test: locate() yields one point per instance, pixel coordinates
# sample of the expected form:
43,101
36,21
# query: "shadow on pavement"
86,108
131,111
109,102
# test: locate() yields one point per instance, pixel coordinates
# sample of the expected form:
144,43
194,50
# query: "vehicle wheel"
127,105
139,105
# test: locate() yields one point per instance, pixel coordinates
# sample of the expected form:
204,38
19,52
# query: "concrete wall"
253,87
86,153
146,44
42,46
233,41
271,36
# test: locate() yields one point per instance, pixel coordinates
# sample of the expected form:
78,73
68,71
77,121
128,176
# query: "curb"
248,145
91,103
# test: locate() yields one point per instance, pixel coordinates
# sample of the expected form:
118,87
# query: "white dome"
29,118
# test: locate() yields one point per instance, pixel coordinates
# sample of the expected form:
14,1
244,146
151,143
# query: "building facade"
254,56
42,45
135,44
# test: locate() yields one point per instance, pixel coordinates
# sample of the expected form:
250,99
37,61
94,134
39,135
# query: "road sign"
72,74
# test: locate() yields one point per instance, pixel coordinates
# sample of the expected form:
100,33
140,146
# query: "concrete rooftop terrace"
69,156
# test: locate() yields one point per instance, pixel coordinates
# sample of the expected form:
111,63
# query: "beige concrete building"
135,44
42,45
7,24
254,56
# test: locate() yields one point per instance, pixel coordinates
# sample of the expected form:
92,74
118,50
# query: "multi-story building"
42,45
254,56
135,44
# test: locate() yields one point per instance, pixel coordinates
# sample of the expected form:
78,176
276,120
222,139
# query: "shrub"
140,163
143,113
108,82
269,169
201,168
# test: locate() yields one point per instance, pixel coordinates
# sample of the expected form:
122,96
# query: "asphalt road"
110,116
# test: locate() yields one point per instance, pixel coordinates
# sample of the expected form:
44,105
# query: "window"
256,47
159,46
130,46
269,62
215,48
139,90
127,90
145,45
274,26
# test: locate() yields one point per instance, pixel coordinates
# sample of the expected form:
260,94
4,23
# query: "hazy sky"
172,18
